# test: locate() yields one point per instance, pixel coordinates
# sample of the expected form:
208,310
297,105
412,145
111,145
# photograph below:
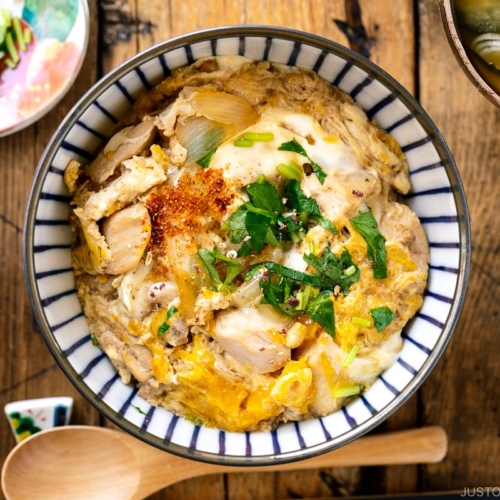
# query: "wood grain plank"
463,393
28,370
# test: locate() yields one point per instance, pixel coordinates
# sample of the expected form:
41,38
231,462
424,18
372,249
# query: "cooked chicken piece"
71,174
324,358
252,335
178,333
138,175
163,293
295,335
127,234
399,223
122,146
113,346
137,359
100,255
370,362
342,193
140,296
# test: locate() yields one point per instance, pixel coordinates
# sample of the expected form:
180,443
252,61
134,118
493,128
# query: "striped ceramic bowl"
437,198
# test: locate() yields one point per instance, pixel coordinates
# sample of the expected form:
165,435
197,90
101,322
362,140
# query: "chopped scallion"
243,143
10,63
350,271
290,171
361,321
345,392
350,357
258,137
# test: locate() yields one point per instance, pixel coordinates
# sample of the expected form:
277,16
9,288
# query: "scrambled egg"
239,251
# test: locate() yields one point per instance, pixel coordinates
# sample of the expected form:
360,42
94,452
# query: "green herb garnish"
334,268
94,340
361,321
165,325
297,200
295,147
233,268
205,161
278,283
265,196
350,357
345,392
321,310
243,143
236,225
139,410
366,225
307,279
258,136
382,317
290,171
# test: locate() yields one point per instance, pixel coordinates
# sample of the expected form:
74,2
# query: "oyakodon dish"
239,251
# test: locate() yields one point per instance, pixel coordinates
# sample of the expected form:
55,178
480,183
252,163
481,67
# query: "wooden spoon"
83,462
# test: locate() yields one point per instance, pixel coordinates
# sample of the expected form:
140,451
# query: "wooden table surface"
406,39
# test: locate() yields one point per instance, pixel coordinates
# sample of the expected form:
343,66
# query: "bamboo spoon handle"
424,445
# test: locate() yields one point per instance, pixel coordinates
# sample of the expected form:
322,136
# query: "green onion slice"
345,392
258,137
350,357
243,143
361,321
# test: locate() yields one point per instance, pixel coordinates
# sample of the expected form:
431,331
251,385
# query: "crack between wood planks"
116,24
28,379
354,29
8,222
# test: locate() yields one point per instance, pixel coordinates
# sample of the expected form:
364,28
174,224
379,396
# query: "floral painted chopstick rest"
34,415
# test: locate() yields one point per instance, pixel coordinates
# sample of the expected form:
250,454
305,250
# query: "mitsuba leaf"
334,268
307,279
265,196
257,225
233,268
297,200
236,226
205,161
382,317
321,310
209,259
366,225
325,223
346,263
295,147
274,294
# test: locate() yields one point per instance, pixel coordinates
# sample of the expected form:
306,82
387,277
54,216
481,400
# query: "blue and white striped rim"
437,198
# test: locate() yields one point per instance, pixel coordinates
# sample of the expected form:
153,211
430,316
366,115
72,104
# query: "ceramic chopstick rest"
30,416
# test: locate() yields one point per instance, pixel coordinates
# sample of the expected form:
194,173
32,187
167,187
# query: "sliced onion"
225,108
200,136
248,294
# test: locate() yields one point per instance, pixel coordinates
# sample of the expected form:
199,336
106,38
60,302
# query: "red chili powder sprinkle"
185,207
